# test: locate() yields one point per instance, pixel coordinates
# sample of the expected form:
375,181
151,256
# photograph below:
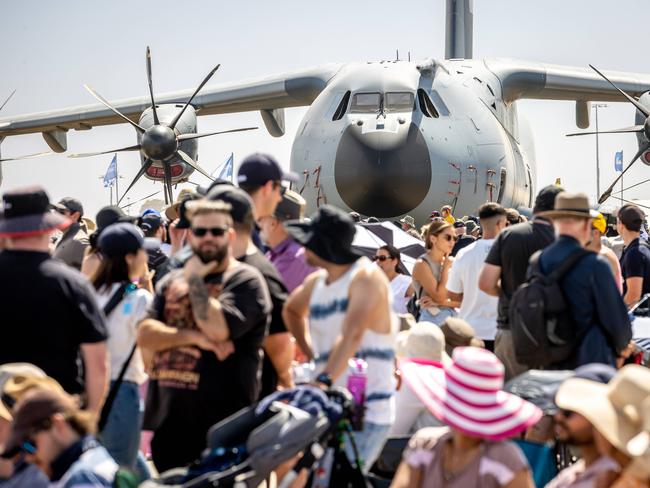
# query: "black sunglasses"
215,231
566,413
381,258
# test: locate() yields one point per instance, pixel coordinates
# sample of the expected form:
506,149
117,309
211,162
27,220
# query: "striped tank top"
327,308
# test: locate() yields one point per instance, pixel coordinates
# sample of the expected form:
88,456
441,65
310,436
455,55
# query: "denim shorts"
443,314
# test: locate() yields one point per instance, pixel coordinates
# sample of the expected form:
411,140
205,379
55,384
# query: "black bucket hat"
328,234
26,213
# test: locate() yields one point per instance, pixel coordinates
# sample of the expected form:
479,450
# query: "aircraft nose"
382,174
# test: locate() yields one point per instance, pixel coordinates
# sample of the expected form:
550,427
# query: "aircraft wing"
266,94
524,79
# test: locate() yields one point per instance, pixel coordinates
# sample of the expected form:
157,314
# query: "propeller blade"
193,164
143,169
27,156
205,80
87,155
632,100
187,137
153,102
607,193
8,98
140,200
117,112
167,170
635,128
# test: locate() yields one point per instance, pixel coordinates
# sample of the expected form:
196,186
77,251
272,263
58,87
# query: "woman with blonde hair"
431,271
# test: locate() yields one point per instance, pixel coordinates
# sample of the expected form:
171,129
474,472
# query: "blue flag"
226,170
618,161
111,173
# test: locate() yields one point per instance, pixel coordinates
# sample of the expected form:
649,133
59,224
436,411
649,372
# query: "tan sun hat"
10,371
614,409
171,212
571,205
424,341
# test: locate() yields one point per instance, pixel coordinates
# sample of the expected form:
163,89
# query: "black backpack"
543,330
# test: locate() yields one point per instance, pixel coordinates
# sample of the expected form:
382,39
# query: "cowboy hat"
467,394
571,205
26,213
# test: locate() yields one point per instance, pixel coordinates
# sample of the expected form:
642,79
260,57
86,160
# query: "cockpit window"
399,102
340,110
365,103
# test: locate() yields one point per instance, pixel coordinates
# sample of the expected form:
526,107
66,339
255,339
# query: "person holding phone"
431,271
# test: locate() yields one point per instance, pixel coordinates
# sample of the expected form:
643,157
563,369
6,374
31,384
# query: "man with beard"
575,430
205,329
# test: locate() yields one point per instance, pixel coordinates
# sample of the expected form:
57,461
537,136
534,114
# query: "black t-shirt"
463,241
511,251
278,296
635,263
48,311
190,389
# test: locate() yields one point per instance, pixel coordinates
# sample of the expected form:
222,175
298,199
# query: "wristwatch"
325,379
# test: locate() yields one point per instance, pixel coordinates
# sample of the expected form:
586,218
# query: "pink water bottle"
357,380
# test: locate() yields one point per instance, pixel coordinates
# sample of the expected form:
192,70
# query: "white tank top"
327,308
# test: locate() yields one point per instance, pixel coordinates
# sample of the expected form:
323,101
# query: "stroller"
245,448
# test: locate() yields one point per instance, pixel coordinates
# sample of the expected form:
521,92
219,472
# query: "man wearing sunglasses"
51,430
205,330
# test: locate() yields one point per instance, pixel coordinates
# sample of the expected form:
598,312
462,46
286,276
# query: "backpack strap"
567,264
116,298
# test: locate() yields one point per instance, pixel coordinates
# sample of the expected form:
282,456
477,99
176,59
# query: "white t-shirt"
398,287
121,326
478,308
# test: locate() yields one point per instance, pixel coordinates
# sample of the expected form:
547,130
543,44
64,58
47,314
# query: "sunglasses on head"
381,258
215,231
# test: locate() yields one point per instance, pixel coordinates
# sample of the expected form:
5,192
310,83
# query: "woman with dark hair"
431,271
388,259
123,264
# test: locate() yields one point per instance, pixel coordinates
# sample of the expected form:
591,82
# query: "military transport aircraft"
382,138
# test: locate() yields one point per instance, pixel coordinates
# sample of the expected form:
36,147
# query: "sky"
50,49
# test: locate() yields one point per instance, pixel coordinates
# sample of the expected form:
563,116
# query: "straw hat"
467,394
571,205
614,409
424,340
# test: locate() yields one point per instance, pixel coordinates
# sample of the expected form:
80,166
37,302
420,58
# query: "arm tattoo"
199,297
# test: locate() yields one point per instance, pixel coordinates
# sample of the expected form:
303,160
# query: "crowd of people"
126,338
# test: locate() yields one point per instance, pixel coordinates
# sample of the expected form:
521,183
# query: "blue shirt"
602,324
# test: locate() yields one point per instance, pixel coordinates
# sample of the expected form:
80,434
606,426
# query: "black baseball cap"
458,224
69,203
545,199
631,216
257,169
240,202
111,215
123,238
150,221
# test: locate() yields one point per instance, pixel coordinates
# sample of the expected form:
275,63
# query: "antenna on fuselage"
459,31
396,54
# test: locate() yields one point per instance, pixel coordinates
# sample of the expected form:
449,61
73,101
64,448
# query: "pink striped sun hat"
467,394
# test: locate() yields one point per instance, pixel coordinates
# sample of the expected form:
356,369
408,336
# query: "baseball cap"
69,203
631,216
32,412
291,207
545,199
123,238
240,202
599,223
458,224
150,221
111,215
258,168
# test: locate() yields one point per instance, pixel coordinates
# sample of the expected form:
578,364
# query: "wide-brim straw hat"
614,409
571,205
467,394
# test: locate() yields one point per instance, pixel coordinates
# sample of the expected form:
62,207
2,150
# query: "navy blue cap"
150,221
121,239
257,169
